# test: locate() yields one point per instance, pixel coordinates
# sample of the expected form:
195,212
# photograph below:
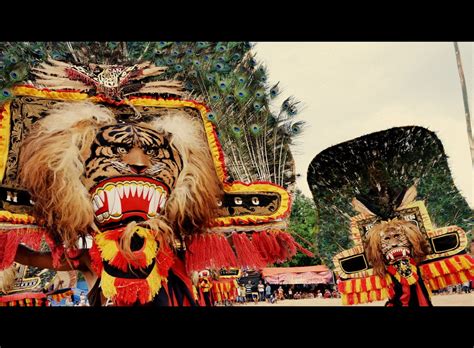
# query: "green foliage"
303,227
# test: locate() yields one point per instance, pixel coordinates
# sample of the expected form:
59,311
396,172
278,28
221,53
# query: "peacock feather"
255,138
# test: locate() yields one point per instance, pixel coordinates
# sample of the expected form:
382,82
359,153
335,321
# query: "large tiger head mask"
88,170
389,242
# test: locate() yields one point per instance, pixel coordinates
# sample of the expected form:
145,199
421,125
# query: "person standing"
248,291
261,291
268,291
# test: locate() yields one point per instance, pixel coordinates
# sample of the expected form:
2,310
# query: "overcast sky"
349,89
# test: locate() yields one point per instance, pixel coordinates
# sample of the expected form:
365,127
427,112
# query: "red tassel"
273,249
165,260
196,254
287,243
451,268
364,285
298,246
246,252
438,268
131,290
57,251
8,246
261,242
373,283
209,251
119,261
224,251
96,259
32,239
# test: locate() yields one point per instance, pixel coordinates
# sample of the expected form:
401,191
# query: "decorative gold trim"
419,210
4,137
213,141
346,254
440,232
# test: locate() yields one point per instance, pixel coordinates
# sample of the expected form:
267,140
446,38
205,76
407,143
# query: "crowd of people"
265,292
72,302
464,288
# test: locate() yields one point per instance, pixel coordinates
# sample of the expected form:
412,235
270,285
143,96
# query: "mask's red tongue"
120,198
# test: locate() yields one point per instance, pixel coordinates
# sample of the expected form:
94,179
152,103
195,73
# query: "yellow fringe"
465,262
358,285
368,284
107,247
372,296
154,282
364,297
457,265
151,246
444,267
107,285
348,286
6,216
433,270
378,283
384,293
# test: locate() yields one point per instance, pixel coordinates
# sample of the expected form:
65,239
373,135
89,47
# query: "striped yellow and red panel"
454,270
364,290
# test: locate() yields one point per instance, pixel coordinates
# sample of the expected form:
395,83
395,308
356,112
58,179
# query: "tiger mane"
51,168
373,250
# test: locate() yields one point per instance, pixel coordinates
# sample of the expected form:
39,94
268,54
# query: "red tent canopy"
297,275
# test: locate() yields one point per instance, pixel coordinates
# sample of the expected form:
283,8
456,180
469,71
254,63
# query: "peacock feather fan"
376,169
226,76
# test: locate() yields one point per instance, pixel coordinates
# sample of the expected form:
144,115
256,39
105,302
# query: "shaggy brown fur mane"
51,168
419,245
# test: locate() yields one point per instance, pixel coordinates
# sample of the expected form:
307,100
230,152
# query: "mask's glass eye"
238,201
121,150
150,152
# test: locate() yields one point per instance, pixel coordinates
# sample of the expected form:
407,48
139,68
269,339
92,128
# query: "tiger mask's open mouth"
120,198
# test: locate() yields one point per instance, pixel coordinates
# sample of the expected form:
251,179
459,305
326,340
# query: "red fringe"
258,240
96,259
438,267
247,254
164,260
268,246
131,290
123,264
451,268
57,251
225,257
363,285
293,245
209,251
8,246
196,255
10,240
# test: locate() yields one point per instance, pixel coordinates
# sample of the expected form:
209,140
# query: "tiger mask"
87,170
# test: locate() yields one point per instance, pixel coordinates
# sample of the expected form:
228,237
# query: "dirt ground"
438,300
